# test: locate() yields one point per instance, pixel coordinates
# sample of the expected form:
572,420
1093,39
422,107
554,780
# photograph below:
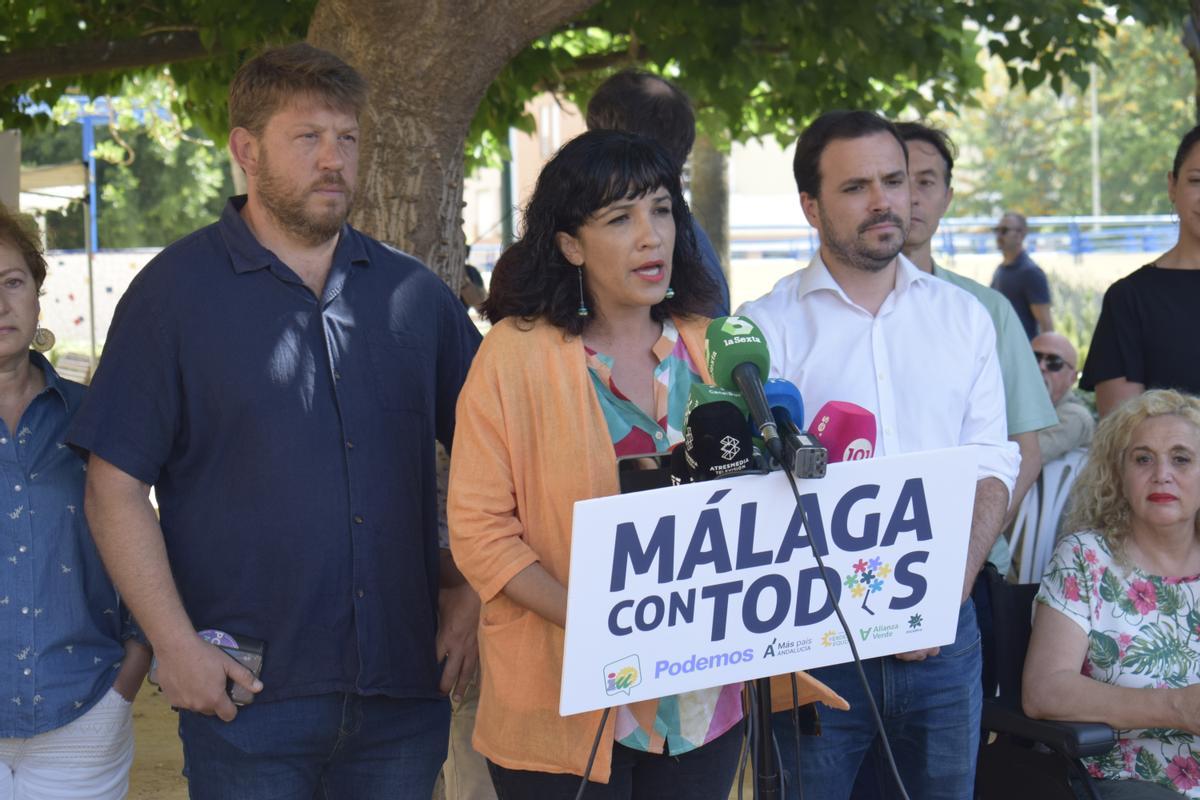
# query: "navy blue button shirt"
60,623
1024,284
290,440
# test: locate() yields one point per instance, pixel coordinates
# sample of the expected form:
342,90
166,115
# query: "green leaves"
1031,150
1110,587
1102,649
1158,651
1147,766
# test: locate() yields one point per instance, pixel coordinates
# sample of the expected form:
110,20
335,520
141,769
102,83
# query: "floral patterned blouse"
685,721
1143,631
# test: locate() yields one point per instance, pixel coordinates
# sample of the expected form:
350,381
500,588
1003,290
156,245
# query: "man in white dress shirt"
862,324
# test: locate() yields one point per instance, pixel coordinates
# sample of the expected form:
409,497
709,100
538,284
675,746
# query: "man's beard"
290,208
855,251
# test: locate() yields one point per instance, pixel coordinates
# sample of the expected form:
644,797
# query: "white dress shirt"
925,365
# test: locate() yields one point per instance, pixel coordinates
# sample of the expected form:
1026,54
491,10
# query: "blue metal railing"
1076,236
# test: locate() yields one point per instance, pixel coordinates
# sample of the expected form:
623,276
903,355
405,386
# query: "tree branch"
80,58
586,65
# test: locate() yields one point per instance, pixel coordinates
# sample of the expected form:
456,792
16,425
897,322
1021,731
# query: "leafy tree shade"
50,46
163,195
157,179
770,66
1031,150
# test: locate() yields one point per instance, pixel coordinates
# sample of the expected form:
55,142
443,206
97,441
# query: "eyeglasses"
1053,363
1003,229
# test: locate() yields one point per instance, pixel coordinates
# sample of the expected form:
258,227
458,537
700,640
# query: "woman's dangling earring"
582,311
670,293
43,340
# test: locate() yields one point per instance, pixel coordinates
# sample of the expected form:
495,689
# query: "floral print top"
686,721
1143,632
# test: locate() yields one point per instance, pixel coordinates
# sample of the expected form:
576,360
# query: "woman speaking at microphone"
596,341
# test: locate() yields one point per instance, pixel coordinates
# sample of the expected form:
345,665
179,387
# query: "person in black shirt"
1145,338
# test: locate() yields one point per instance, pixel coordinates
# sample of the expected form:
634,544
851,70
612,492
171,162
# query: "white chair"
1036,527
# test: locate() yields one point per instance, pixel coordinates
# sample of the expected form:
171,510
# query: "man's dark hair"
1190,139
641,102
937,139
829,127
534,279
1020,218
271,80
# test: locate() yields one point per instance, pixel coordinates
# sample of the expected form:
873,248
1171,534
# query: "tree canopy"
1031,150
752,68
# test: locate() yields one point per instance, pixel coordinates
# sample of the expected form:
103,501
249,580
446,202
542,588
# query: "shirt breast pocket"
403,372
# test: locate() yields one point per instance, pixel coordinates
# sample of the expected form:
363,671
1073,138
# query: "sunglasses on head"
1053,363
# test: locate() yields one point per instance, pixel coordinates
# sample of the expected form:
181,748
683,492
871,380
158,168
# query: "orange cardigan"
530,441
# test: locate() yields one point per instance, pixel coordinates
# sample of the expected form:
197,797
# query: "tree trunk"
429,63
710,195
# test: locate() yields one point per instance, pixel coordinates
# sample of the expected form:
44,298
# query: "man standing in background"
641,102
930,170
1019,279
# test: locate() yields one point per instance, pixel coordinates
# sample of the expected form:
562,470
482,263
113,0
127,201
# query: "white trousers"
85,759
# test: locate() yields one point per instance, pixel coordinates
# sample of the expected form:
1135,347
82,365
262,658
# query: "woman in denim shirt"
68,669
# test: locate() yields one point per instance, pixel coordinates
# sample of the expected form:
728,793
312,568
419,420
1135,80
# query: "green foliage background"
1031,150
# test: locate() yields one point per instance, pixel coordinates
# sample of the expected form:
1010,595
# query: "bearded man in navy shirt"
280,379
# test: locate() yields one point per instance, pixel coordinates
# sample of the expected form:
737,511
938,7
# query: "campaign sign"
711,583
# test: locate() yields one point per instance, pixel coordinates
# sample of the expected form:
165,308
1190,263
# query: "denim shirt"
60,620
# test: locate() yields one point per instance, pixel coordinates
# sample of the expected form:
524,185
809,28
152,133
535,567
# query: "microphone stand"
766,769
767,782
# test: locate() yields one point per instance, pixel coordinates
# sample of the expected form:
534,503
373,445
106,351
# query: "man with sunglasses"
1058,360
1019,279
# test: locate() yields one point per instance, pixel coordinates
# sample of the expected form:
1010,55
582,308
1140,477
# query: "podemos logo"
622,675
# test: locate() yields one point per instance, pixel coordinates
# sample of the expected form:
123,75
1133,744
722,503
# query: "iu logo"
858,450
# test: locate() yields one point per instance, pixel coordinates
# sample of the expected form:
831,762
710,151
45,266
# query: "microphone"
847,431
738,359
716,442
678,467
784,399
807,458
701,393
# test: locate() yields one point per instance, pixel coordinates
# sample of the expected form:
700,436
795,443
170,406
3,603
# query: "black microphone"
716,442
678,468
738,359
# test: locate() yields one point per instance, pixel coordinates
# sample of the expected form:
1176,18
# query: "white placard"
701,585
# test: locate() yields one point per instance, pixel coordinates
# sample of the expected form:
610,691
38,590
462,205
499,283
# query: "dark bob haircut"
829,127
1190,139
641,102
937,139
534,279
16,234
